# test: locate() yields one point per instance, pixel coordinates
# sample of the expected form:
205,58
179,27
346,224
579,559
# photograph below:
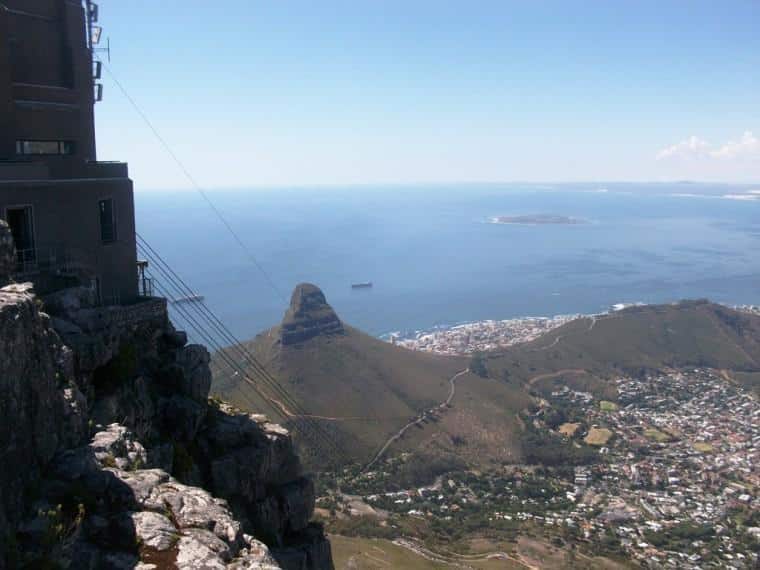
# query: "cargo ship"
365,285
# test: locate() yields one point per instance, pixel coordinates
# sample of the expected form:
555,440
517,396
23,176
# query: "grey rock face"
144,514
247,453
180,417
115,445
255,556
308,316
144,392
41,409
195,508
253,465
70,301
196,374
142,484
201,549
155,530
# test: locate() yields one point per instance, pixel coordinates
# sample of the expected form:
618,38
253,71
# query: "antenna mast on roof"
94,33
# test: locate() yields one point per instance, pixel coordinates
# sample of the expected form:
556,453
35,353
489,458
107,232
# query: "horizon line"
347,185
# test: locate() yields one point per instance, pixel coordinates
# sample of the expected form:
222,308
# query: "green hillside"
363,391
586,353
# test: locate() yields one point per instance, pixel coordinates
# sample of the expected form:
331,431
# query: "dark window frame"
24,254
62,148
108,232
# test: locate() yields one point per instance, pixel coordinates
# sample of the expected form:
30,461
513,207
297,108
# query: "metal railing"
52,268
145,286
54,260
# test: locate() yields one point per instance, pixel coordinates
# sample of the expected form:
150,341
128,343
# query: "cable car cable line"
286,401
256,367
316,438
194,183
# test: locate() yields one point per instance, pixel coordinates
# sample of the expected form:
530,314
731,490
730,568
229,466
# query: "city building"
72,217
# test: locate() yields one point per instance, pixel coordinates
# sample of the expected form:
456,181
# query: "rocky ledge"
106,510
309,315
121,461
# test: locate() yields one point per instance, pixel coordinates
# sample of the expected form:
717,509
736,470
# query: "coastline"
487,335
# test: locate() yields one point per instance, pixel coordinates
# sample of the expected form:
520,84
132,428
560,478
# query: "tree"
478,365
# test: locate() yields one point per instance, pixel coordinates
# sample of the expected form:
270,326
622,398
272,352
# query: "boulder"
255,556
154,530
117,447
143,517
199,548
246,452
192,507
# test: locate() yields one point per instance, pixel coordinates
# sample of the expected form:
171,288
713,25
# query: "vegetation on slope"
362,391
589,352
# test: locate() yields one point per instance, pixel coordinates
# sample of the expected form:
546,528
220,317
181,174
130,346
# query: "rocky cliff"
309,315
115,458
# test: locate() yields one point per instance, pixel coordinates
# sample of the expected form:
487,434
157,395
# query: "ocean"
434,259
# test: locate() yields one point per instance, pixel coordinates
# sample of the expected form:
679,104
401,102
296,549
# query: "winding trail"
418,420
592,318
288,413
458,560
552,345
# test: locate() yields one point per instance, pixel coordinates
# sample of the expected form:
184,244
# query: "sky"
251,93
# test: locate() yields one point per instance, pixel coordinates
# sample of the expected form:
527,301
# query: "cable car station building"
72,217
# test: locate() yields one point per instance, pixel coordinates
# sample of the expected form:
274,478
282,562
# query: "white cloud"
747,146
693,148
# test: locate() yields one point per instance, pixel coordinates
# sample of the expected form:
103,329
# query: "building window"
21,222
107,221
45,148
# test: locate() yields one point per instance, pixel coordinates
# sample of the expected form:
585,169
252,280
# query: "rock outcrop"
120,460
41,409
110,511
309,315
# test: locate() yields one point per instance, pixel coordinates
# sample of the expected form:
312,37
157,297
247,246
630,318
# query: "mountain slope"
363,391
589,352
371,396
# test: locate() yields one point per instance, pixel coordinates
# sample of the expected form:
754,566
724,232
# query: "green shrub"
478,365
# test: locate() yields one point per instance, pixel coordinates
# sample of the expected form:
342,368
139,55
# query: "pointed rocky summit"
309,315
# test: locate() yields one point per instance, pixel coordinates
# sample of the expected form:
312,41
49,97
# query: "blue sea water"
434,260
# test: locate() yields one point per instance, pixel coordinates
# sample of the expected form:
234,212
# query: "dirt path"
458,560
418,420
287,413
552,345
593,318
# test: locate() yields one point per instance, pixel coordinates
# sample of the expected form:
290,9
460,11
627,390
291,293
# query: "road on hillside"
457,560
418,420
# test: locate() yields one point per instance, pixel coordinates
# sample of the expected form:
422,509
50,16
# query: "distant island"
539,219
